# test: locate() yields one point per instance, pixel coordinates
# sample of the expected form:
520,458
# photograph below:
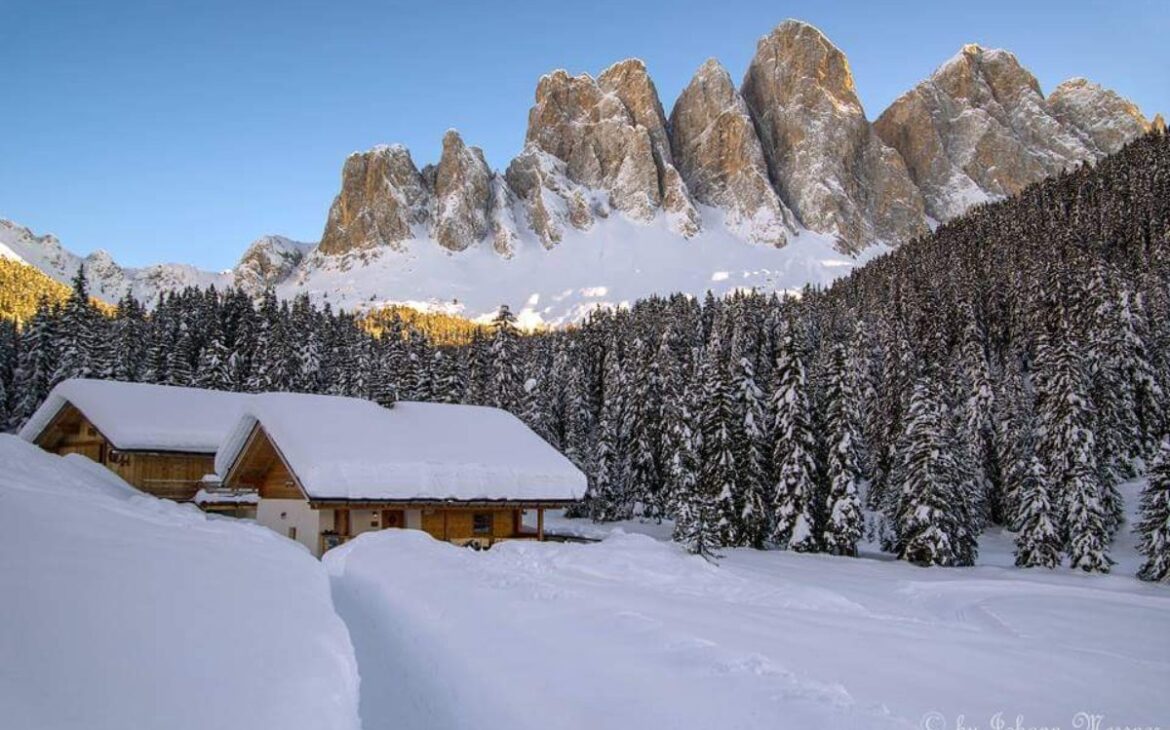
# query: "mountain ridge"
777,183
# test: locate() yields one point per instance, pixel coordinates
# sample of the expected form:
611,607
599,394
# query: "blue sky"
183,130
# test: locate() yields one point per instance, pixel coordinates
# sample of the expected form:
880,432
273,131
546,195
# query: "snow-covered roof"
351,449
145,417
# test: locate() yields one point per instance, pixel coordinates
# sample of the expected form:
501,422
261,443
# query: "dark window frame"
482,523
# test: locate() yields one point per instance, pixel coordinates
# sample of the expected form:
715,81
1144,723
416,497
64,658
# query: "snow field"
124,611
632,632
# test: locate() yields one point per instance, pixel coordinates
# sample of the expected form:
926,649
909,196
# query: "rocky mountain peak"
823,156
611,133
268,261
719,155
382,198
976,73
791,149
980,128
1105,119
462,194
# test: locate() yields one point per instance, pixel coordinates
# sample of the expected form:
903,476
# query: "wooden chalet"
160,439
327,469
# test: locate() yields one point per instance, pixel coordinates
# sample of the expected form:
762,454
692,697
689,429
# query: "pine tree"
749,456
797,490
845,520
1038,540
77,333
36,362
719,477
930,520
644,422
696,526
683,467
507,385
609,498
1068,449
1153,527
978,453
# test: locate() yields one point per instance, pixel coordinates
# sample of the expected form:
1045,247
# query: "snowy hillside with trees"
125,611
1009,370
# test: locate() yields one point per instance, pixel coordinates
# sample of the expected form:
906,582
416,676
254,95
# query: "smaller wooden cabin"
327,469
160,439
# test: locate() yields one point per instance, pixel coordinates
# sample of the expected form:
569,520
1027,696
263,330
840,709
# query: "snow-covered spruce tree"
797,494
128,340
929,520
506,386
305,347
719,477
384,364
1067,448
861,367
683,465
675,404
977,439
1016,433
696,525
448,375
578,418
213,371
1038,542
1114,426
77,333
35,363
844,519
750,458
644,418
1140,371
1153,525
609,499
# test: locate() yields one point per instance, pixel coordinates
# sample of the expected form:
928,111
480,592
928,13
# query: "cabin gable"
167,475
261,467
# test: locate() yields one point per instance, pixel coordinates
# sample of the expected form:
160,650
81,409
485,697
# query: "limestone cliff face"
979,128
462,190
790,150
1101,115
722,163
382,198
824,158
551,200
612,136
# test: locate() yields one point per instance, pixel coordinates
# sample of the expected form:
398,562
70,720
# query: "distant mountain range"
780,182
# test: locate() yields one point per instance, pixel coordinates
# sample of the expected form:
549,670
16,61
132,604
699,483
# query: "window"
481,523
292,533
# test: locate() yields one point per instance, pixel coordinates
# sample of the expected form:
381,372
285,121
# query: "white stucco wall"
281,514
364,520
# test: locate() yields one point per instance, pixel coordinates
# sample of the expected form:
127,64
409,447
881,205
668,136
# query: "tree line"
1011,368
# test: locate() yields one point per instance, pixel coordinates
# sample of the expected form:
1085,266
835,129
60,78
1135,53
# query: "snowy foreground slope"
631,632
121,611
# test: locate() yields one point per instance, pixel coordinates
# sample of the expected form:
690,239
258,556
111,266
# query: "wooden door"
393,518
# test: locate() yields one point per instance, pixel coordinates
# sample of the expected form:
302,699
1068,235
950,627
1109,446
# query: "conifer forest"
1011,368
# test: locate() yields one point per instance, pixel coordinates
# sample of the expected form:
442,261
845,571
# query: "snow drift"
124,611
632,632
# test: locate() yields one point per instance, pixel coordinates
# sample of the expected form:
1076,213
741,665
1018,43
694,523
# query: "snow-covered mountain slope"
614,263
107,280
125,611
633,632
267,261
